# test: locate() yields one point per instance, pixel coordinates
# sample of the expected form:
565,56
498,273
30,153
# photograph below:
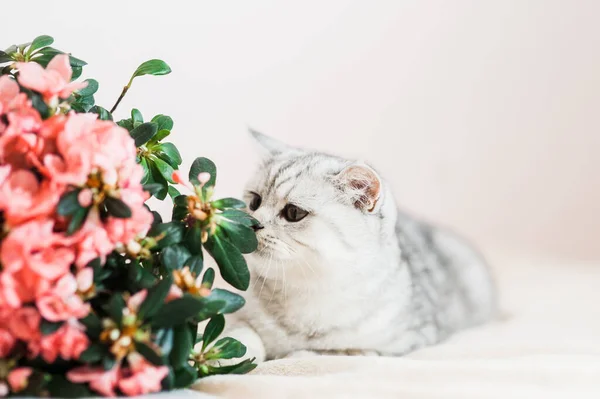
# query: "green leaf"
143,133
117,208
169,153
4,57
161,135
193,238
152,67
158,178
213,329
164,339
238,216
228,203
39,42
164,122
115,307
242,237
77,220
77,71
174,257
183,346
185,376
93,325
48,327
126,124
40,106
209,277
108,362
90,89
155,298
203,165
239,368
136,117
229,348
165,169
173,192
153,188
103,113
69,204
94,353
233,301
177,311
149,353
231,262
169,233
60,387
196,263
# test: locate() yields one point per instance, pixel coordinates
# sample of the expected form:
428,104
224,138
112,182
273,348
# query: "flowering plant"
97,294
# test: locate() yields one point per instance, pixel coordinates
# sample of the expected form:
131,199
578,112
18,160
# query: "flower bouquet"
97,294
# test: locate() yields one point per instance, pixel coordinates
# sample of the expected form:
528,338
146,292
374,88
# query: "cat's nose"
257,226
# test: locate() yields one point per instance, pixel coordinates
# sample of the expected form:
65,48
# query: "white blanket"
545,343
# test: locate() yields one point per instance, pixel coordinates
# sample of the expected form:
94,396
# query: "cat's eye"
292,213
255,201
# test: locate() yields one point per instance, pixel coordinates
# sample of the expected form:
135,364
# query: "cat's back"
453,286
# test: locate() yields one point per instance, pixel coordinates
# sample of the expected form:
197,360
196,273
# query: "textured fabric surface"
545,343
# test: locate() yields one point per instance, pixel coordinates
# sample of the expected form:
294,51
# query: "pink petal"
32,76
17,378
60,64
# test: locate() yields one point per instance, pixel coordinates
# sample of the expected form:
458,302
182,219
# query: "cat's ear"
362,185
268,146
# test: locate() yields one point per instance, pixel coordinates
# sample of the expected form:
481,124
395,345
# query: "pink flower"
85,197
62,302
135,301
23,198
143,377
174,293
7,342
18,378
52,82
25,324
22,287
10,95
102,381
91,241
68,342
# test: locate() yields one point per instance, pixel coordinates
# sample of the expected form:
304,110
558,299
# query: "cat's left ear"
362,185
268,146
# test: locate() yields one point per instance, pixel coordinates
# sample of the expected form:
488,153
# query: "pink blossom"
68,342
85,197
34,244
7,342
22,198
203,177
62,302
23,286
91,241
174,293
135,301
102,381
25,324
19,378
52,82
142,377
10,95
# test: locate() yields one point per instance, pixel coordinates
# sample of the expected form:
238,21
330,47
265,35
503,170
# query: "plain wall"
483,115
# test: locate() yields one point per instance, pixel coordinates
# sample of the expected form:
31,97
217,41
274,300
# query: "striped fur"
347,280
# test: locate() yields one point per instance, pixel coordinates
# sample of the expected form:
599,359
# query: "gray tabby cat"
340,270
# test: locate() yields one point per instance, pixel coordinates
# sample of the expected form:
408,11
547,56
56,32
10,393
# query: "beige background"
484,115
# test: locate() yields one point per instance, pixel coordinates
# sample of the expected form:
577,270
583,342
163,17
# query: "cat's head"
316,210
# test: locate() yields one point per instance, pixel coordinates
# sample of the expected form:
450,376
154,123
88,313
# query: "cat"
340,270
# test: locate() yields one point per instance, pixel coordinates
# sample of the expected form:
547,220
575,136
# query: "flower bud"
203,177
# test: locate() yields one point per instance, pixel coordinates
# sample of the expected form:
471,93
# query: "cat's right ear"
268,146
